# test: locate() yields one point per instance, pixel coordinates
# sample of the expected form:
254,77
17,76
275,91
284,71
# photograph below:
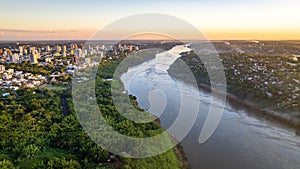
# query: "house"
5,94
2,68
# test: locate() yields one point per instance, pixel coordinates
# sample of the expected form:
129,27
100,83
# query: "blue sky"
219,19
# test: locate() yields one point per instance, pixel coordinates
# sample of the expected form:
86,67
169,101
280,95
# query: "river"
242,139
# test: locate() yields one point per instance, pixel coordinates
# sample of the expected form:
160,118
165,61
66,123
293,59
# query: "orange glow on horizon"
250,35
150,36
210,35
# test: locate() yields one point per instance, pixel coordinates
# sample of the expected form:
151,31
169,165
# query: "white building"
87,61
78,53
48,59
10,71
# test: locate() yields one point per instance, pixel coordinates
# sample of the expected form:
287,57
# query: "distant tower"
31,49
75,59
34,56
130,48
48,49
115,50
14,58
73,46
58,48
25,51
81,46
65,48
21,50
78,52
2,68
101,54
84,52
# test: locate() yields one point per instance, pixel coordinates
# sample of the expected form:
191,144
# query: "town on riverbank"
260,74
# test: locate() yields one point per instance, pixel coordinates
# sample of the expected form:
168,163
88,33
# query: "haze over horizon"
218,20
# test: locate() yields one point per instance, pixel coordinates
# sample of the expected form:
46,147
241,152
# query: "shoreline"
254,108
178,149
179,152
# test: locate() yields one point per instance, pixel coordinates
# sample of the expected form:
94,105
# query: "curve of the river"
242,140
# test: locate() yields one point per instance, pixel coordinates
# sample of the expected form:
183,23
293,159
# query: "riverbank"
254,108
178,149
247,85
184,164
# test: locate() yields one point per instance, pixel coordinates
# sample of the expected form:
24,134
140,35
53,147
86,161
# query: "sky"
216,19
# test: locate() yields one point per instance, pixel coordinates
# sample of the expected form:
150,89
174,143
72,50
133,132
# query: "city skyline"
218,20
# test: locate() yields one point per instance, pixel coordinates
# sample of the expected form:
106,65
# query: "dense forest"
35,133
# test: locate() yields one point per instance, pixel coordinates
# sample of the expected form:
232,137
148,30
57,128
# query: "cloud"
27,31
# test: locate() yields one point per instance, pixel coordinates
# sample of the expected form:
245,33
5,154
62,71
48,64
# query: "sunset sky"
217,19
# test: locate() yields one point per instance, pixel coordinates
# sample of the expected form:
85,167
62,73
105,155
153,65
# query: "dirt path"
65,108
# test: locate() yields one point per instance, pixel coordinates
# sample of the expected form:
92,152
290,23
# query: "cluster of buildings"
117,49
260,71
44,54
13,80
72,56
258,47
38,54
276,77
